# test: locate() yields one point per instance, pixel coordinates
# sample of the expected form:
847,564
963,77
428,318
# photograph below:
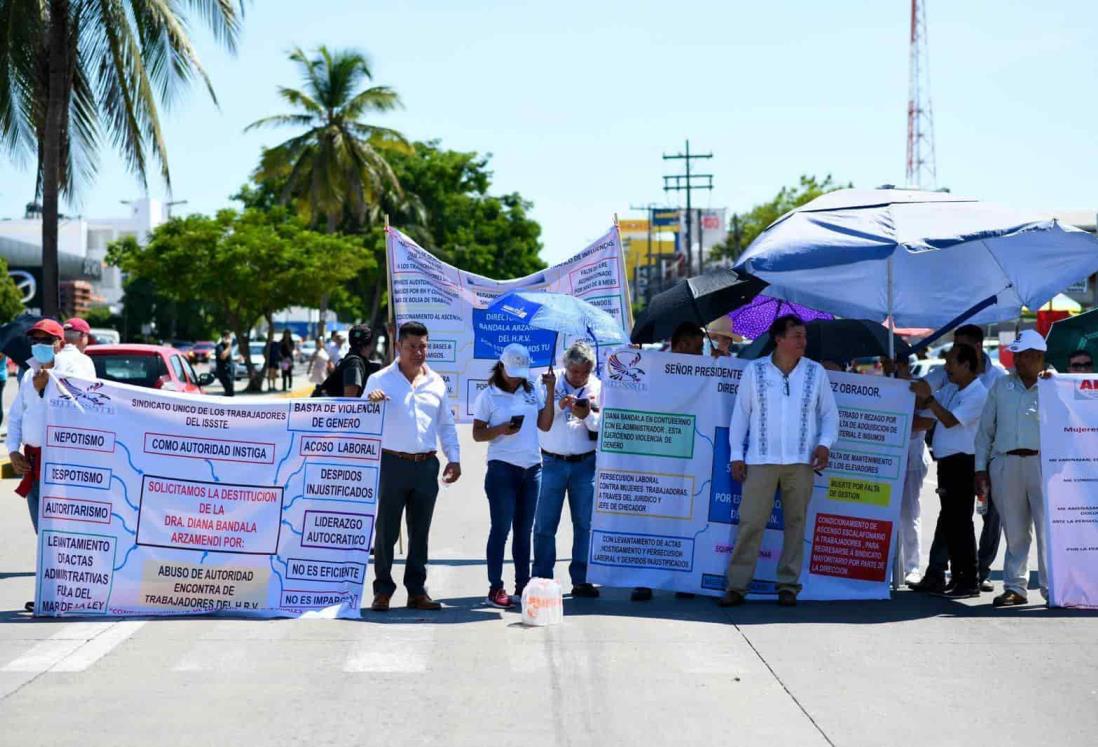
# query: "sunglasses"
40,339
1081,366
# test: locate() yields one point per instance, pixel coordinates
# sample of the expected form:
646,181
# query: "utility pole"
650,210
685,183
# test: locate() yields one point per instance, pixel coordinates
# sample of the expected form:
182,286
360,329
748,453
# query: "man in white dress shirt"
987,372
957,408
786,414
417,419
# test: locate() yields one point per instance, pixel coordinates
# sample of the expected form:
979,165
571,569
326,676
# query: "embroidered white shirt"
782,418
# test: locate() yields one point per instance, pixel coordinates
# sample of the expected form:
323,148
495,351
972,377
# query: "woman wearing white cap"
503,415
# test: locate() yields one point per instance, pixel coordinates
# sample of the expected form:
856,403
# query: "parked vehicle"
258,353
153,366
105,336
202,351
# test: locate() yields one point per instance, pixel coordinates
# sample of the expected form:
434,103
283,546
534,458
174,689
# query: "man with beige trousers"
784,422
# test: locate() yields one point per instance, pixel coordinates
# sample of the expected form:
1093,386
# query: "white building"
82,246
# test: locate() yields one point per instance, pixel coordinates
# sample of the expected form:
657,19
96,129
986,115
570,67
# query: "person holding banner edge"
687,339
784,422
504,415
1008,459
417,416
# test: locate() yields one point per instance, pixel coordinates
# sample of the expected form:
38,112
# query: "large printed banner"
1069,470
154,503
667,509
466,339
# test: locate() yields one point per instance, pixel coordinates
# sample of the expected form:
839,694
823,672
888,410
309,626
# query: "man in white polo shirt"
417,419
957,408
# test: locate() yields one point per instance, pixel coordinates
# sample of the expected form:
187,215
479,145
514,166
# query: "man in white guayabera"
784,422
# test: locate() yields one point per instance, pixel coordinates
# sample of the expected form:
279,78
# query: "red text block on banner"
850,547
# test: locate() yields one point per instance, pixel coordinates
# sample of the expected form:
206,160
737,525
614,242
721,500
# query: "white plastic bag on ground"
542,602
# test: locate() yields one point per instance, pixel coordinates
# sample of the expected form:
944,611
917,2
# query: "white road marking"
98,647
74,647
393,648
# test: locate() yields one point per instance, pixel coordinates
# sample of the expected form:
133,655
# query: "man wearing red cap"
71,360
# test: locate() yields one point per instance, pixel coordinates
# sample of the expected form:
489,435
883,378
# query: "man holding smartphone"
568,467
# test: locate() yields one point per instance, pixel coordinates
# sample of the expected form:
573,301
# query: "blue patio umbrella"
561,313
923,259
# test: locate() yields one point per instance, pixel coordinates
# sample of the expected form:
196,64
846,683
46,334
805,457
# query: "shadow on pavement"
455,611
17,574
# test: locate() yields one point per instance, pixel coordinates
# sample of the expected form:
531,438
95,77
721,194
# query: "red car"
154,366
202,352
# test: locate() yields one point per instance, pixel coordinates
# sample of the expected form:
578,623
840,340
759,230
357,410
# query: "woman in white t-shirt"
319,364
506,415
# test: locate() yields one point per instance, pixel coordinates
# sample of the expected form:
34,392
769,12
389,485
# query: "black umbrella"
839,340
698,300
13,337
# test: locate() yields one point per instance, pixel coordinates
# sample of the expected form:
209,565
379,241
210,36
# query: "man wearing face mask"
223,362
27,417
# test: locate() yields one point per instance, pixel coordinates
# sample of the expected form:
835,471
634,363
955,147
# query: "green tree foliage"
245,266
74,73
747,226
447,209
467,227
11,300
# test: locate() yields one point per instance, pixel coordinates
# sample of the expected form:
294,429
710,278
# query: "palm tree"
336,170
75,71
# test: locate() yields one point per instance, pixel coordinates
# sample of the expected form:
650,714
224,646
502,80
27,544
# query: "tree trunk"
59,91
322,322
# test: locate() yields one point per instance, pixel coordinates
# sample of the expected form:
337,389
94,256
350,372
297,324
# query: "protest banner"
465,339
156,503
666,508
1069,473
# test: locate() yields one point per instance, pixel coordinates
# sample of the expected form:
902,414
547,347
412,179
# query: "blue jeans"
512,499
578,478
33,501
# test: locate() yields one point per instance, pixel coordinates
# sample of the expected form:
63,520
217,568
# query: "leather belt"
568,457
422,456
1023,452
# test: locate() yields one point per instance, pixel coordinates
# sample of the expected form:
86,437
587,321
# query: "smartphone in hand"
516,421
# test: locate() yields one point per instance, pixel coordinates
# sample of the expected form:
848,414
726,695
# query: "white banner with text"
156,503
666,508
1069,473
465,338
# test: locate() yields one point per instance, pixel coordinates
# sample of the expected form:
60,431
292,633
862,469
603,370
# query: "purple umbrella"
754,319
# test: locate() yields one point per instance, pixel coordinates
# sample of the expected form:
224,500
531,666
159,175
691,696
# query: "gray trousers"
412,487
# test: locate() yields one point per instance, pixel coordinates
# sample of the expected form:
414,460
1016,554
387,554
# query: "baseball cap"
1029,339
359,335
49,326
78,324
516,361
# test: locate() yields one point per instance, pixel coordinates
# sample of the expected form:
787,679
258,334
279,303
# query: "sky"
578,101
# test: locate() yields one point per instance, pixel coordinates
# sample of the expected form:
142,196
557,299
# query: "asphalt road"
914,670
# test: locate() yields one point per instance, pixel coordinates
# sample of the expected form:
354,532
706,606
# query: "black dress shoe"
731,599
587,591
787,598
1009,599
961,591
930,585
